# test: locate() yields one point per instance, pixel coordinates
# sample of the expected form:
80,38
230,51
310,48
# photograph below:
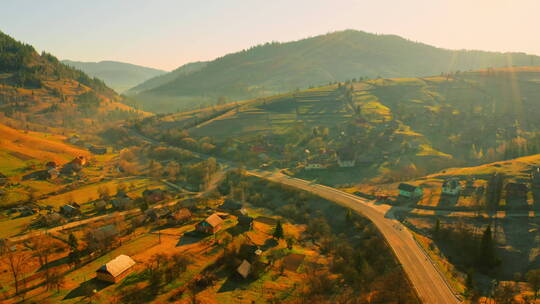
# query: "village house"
314,165
70,210
410,191
154,195
210,225
244,269
346,157
116,269
98,150
100,205
451,187
122,202
155,214
51,165
179,216
49,220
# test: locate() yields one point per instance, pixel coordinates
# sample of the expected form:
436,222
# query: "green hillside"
38,91
401,127
279,67
118,75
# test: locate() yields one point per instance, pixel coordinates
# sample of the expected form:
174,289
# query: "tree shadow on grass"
237,230
132,279
86,289
235,282
55,263
190,238
269,243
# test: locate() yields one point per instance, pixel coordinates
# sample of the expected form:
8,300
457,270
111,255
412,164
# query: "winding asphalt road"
429,283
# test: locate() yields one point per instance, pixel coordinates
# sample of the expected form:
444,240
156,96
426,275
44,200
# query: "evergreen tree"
486,258
278,232
73,242
348,216
437,229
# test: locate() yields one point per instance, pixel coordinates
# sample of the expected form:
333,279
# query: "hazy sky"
166,34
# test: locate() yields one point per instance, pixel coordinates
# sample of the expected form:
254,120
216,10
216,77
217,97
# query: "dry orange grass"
32,146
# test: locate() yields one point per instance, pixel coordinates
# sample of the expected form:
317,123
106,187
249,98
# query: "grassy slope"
18,147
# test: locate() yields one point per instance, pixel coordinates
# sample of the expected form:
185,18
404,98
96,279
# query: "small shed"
244,269
211,224
410,191
116,269
70,210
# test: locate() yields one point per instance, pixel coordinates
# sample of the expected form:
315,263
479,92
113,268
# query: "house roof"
69,208
244,269
407,187
292,261
118,265
214,220
183,213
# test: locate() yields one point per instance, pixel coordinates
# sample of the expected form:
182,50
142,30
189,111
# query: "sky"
165,34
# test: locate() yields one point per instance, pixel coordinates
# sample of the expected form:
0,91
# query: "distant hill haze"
119,76
278,67
167,77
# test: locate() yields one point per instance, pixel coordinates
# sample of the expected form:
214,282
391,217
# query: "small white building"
314,165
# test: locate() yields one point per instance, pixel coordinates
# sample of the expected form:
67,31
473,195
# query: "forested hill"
118,75
277,67
37,90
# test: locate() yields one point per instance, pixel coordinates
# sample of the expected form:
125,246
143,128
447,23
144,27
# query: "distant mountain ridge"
167,77
118,75
277,67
